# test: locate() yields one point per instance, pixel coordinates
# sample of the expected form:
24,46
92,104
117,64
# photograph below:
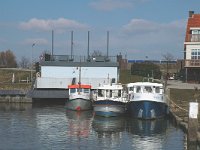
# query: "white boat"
146,100
79,97
110,100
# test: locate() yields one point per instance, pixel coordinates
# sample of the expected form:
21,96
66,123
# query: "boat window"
86,91
100,93
119,93
131,88
110,93
107,93
147,89
80,90
72,90
114,93
138,89
157,89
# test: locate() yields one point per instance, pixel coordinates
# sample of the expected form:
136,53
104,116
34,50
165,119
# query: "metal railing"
74,58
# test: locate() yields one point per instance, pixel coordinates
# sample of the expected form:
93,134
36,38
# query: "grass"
20,75
183,95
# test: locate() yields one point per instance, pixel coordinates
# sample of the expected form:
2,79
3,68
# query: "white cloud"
37,41
60,25
145,26
140,38
140,26
109,5
153,31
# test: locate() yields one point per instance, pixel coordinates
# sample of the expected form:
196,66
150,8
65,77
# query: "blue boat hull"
109,108
147,109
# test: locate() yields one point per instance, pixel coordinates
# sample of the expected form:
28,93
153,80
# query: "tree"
168,57
2,59
146,70
8,59
24,62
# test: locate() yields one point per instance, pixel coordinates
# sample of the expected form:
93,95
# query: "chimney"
191,13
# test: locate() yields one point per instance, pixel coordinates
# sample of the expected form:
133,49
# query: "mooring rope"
177,106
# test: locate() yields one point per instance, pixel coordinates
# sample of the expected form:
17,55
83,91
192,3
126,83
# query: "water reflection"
148,134
108,125
79,123
147,127
109,130
50,126
15,106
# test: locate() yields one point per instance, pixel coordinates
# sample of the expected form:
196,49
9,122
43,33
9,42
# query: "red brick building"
192,48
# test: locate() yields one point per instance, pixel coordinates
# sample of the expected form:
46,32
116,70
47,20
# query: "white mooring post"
192,122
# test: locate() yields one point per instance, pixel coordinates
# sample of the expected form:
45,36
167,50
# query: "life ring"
37,74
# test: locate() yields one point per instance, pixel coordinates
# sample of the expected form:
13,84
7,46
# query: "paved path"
180,85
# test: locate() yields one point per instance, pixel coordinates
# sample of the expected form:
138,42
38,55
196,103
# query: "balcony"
193,38
192,63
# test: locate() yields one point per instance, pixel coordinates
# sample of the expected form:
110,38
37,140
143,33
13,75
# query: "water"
41,127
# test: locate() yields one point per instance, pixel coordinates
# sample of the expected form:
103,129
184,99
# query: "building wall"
59,77
73,72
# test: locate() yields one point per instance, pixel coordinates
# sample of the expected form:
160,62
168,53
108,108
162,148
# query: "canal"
51,126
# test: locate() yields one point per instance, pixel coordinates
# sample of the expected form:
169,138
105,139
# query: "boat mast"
107,43
88,52
72,44
79,80
52,43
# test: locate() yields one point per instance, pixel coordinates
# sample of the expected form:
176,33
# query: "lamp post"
32,62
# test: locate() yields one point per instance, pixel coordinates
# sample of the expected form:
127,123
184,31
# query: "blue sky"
138,28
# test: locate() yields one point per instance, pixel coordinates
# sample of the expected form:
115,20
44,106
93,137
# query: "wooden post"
192,122
168,97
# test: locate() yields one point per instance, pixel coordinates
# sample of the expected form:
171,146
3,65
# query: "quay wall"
179,108
14,96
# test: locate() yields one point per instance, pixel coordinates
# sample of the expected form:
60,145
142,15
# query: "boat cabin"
76,88
112,92
145,87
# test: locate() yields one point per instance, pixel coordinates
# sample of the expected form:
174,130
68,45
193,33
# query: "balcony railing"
192,63
193,38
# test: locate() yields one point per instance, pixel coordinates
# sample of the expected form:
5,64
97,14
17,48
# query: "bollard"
192,122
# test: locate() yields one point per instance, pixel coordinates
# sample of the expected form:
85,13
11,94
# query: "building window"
195,31
195,37
195,54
